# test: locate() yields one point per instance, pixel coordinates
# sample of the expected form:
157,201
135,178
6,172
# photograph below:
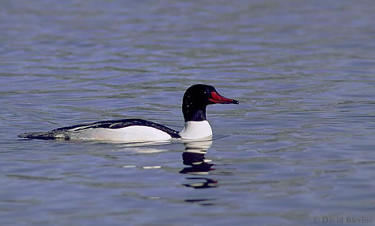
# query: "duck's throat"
195,130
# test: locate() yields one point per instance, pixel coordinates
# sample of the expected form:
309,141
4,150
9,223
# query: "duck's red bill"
218,99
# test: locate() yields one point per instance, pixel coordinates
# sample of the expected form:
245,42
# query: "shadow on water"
194,158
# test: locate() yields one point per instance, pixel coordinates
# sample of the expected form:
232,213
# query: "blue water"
298,150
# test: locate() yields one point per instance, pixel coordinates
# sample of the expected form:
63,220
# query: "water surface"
298,150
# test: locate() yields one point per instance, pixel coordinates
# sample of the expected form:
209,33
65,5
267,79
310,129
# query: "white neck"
195,130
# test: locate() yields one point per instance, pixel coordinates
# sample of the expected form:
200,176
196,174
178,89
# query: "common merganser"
195,101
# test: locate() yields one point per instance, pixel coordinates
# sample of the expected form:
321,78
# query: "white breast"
126,134
195,130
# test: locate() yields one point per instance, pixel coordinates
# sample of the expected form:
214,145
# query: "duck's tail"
43,136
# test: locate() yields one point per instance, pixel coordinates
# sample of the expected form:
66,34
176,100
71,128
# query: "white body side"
126,134
195,130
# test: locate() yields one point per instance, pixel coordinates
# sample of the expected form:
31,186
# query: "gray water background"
298,150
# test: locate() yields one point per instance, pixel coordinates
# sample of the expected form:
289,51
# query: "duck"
195,100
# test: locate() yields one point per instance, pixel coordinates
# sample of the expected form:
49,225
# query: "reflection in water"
197,162
204,202
194,157
205,183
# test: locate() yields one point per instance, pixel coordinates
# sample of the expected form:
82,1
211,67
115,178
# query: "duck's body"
115,130
196,127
